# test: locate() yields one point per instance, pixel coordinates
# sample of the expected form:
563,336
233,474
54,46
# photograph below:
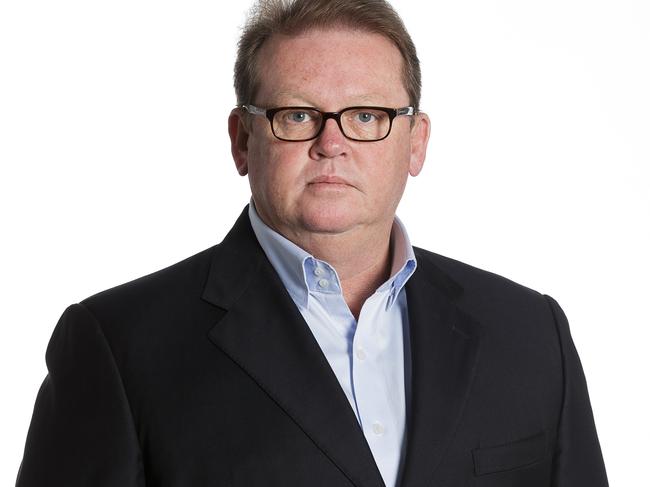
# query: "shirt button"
318,271
361,354
378,428
323,283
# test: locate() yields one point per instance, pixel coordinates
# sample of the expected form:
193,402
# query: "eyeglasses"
362,124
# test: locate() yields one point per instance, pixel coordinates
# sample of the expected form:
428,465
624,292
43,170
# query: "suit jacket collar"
264,333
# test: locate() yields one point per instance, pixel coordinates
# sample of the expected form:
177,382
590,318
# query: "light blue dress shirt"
368,357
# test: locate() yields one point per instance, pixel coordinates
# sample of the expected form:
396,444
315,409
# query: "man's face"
331,184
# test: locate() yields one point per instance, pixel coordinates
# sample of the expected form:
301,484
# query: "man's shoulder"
515,320
166,286
468,276
484,292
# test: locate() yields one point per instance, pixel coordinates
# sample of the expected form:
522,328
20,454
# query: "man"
315,346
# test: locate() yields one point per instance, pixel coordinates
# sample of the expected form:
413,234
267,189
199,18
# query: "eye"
366,117
297,116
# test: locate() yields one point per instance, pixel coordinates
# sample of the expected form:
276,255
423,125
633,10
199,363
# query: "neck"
362,259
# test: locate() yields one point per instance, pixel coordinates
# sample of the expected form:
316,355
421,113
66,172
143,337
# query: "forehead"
333,66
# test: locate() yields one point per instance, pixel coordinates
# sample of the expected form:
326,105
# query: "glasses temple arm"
253,110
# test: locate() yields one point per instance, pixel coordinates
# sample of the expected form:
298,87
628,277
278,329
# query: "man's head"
291,18
328,55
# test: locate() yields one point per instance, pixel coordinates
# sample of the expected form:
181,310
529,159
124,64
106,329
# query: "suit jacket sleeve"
82,432
578,460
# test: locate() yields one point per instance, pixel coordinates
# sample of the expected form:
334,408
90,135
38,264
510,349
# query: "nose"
330,143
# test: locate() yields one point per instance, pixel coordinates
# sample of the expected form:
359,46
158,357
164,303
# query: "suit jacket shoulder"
496,301
161,288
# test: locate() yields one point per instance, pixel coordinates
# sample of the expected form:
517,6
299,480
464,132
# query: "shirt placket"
372,398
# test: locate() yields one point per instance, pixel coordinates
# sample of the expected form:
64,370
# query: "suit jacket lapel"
444,350
265,334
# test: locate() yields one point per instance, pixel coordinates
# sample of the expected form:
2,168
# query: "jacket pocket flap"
511,455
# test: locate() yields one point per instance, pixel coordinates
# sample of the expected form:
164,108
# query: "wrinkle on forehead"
295,97
331,67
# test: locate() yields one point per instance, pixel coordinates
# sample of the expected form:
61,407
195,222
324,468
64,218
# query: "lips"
328,180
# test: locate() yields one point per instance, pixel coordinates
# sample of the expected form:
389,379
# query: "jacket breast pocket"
512,456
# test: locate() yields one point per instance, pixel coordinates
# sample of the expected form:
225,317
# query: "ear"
238,140
419,139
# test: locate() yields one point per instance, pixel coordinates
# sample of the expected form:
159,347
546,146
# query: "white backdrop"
115,163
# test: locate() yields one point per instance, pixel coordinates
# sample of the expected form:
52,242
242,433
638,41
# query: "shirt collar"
303,274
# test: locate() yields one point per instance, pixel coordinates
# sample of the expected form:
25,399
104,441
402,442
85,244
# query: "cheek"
390,171
273,170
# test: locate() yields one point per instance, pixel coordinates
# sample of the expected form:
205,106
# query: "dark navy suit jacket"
205,374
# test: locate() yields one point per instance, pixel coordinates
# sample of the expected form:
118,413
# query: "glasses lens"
365,123
296,123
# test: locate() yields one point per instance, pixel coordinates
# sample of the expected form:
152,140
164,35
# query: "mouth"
329,180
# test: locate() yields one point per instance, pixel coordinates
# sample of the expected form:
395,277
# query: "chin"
327,219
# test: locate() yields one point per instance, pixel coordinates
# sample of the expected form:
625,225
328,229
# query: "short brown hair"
294,17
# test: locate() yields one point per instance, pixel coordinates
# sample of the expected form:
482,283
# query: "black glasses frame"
271,112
